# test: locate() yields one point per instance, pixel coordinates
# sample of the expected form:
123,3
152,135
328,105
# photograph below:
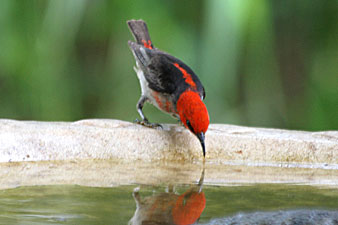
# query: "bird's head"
193,114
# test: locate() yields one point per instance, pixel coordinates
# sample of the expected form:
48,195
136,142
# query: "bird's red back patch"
186,76
147,44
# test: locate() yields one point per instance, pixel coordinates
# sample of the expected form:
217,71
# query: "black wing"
165,76
161,73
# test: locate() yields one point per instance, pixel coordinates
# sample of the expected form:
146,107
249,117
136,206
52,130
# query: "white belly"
146,91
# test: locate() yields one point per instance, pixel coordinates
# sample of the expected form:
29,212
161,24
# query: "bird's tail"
140,31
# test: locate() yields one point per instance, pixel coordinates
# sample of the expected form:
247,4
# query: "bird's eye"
190,127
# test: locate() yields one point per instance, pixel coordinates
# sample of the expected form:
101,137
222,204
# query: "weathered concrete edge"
108,173
114,139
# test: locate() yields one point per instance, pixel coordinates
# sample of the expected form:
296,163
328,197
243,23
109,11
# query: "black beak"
201,138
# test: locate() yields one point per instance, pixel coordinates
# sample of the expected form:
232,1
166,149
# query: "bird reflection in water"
170,207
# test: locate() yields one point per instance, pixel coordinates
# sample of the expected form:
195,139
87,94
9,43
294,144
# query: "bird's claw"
146,123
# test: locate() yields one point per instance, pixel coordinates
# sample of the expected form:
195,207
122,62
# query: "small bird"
168,84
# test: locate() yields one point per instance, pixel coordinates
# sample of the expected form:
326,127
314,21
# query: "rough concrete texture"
114,139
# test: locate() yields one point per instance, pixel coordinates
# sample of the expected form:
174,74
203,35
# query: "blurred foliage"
263,63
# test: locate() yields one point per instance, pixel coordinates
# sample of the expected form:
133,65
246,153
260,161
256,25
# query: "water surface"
73,204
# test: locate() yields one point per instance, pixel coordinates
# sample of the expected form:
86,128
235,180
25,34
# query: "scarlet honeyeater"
168,84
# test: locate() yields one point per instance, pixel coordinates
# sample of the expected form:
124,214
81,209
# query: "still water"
170,204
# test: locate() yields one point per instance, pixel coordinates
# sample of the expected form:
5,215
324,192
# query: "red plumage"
168,83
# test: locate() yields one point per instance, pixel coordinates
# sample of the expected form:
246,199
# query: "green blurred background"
263,63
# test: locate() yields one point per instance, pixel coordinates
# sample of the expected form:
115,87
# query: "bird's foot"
146,123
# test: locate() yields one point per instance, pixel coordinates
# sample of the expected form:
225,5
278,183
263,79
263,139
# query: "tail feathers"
141,54
140,32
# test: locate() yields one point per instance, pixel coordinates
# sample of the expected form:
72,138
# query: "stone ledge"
114,139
